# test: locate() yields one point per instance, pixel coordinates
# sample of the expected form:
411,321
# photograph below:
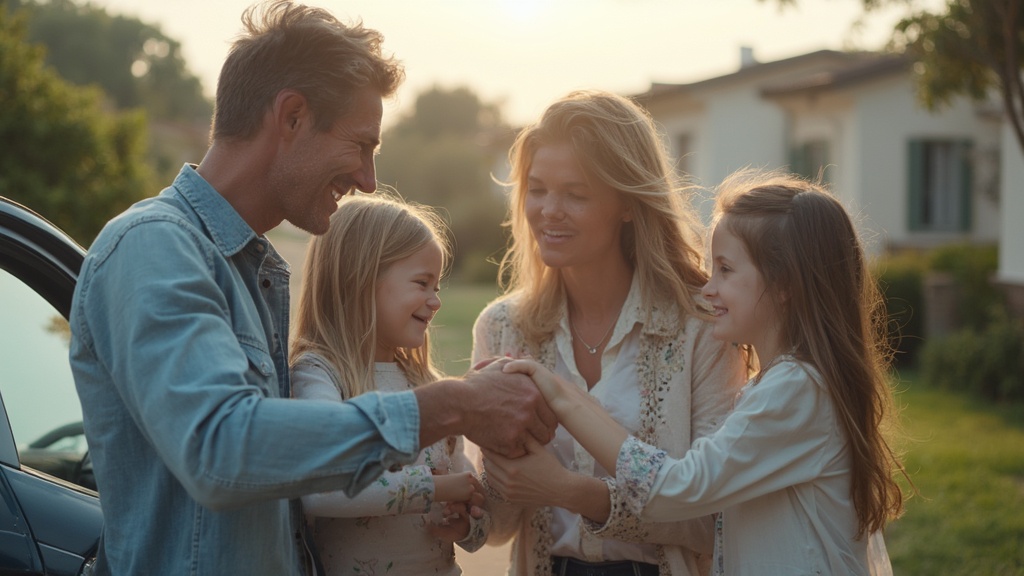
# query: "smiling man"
180,324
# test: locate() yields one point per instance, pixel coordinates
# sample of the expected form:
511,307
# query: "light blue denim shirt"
179,350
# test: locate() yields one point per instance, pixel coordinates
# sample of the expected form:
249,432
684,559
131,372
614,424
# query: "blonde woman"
369,293
604,274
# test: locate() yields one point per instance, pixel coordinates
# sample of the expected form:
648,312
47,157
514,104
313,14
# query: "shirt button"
266,283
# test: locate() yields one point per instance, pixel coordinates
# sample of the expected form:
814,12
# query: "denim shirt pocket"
261,372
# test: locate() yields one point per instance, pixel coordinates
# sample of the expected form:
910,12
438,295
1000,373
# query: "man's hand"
503,409
494,410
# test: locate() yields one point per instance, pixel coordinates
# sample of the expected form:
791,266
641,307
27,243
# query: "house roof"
831,69
877,66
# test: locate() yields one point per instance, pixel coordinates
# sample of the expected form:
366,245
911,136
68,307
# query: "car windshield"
36,382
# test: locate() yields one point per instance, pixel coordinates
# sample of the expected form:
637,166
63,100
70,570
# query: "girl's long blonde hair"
804,244
615,142
337,304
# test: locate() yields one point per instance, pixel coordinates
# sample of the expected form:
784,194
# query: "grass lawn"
451,335
966,458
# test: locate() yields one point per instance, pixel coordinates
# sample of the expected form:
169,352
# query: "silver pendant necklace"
591,349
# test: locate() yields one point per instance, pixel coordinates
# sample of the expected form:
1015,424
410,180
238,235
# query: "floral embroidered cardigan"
688,382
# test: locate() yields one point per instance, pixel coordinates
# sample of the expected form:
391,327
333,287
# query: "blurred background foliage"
62,152
101,110
449,152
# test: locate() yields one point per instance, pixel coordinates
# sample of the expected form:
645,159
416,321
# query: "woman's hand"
539,479
536,479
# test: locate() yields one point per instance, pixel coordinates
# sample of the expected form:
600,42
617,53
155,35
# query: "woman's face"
575,221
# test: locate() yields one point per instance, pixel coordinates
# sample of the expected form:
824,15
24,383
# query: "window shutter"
966,180
915,184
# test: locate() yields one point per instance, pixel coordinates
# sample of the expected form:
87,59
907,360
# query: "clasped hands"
530,475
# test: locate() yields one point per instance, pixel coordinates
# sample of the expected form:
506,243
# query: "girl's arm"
716,373
475,509
779,435
581,415
407,491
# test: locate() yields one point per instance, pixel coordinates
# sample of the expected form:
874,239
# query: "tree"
134,63
443,154
60,152
973,49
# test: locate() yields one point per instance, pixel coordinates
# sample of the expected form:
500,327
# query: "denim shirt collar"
228,231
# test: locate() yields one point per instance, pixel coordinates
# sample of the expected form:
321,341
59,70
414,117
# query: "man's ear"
290,113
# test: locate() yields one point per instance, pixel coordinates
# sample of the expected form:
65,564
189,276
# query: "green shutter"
966,203
915,183
796,159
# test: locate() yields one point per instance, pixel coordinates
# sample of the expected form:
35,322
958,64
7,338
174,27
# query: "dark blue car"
50,517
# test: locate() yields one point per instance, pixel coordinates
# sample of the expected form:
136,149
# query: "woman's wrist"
588,497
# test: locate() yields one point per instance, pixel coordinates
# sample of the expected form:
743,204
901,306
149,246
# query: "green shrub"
972,268
988,362
900,277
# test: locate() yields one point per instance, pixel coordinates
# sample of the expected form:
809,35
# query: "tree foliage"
60,152
443,154
973,48
134,63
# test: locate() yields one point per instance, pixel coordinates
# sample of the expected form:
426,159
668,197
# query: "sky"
524,54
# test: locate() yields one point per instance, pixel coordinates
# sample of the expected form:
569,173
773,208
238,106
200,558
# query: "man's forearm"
442,409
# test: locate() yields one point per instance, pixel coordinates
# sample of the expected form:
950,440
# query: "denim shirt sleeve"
157,338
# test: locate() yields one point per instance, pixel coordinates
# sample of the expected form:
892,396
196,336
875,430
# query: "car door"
50,518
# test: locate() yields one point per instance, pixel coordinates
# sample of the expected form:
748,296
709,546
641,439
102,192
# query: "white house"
915,178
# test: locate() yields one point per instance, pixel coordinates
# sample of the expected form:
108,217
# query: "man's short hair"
292,46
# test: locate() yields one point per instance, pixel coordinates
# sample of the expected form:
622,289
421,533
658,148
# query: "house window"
940,186
810,159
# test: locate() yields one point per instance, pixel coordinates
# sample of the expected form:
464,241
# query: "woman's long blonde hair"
804,244
337,304
615,142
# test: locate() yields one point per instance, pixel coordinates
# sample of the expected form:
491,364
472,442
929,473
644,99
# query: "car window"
36,383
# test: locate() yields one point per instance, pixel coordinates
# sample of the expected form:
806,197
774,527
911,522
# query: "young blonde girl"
368,295
800,470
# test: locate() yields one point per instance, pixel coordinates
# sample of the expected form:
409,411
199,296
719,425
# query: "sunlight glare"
522,11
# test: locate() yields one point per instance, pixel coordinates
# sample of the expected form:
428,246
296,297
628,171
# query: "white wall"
889,116
868,128
1011,244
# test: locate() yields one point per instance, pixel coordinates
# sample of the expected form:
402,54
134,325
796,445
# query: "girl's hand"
553,387
454,525
458,487
536,479
455,520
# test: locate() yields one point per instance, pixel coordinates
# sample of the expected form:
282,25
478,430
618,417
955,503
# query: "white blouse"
779,472
384,528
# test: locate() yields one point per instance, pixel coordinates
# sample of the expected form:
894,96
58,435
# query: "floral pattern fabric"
687,382
385,529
